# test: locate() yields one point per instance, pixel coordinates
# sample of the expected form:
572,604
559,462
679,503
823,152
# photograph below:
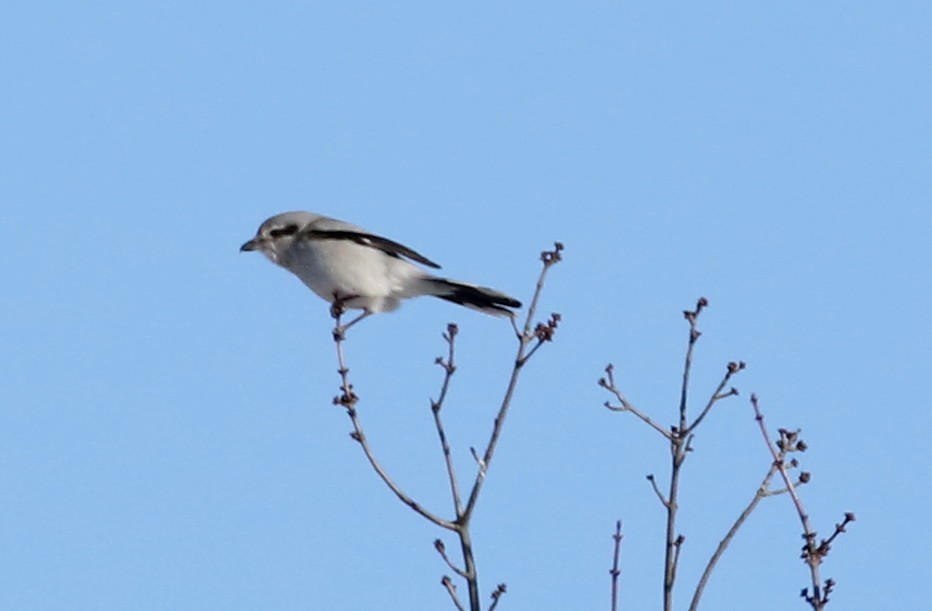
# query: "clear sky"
167,439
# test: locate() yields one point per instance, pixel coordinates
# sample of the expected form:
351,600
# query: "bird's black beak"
249,246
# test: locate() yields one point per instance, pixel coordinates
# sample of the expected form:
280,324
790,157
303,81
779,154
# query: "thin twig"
677,548
514,326
691,317
442,550
608,383
348,400
839,529
549,258
653,484
733,368
615,572
521,360
449,367
497,595
762,491
451,590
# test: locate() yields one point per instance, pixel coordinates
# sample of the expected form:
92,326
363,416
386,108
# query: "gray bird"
350,267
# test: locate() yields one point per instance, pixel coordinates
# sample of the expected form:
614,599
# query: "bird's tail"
479,298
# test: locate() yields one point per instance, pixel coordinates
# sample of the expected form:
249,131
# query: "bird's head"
276,235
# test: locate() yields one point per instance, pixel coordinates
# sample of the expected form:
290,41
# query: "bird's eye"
287,230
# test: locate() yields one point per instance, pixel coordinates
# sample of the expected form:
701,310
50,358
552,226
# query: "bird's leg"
364,314
338,308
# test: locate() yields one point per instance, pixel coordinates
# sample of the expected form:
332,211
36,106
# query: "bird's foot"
337,309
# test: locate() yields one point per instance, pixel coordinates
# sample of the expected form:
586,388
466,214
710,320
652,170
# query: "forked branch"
679,438
542,333
812,553
530,339
348,399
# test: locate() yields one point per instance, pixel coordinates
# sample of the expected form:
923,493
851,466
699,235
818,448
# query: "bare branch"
733,368
529,342
442,550
470,572
839,529
451,590
497,595
608,383
348,400
477,458
549,259
812,554
680,438
691,317
615,571
680,445
449,368
514,326
653,483
677,546
762,491
544,332
808,533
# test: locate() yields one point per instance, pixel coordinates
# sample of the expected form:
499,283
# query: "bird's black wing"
389,247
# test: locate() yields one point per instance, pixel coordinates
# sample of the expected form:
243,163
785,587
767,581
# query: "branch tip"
552,257
615,571
735,367
544,332
497,594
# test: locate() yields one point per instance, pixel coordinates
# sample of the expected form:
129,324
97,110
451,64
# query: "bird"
352,268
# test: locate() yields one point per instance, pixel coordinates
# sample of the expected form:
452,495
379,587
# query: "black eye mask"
289,230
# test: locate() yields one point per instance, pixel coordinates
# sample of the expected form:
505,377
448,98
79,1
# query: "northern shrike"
352,268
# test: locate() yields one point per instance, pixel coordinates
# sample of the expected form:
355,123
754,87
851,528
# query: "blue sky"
167,439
